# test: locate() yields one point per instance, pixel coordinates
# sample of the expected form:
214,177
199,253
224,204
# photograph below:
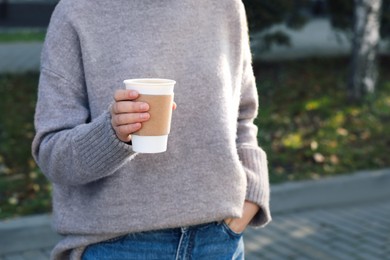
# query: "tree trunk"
364,69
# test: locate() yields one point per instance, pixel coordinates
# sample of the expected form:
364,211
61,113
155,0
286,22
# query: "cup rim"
150,81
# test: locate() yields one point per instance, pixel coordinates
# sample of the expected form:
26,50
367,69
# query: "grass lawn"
22,36
306,125
23,189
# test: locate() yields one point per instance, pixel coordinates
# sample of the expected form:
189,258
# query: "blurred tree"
3,9
342,12
263,14
366,24
366,37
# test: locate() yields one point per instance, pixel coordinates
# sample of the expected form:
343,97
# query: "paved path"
319,227
29,238
352,232
20,57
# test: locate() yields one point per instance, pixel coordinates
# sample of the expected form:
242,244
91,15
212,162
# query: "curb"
25,222
359,187
31,234
19,57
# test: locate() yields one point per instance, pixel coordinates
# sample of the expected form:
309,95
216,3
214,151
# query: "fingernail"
144,116
144,106
133,93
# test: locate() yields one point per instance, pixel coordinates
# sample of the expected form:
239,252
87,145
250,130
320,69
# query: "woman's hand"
127,115
238,225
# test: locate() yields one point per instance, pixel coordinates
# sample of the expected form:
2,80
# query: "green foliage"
307,127
385,24
23,190
341,14
262,15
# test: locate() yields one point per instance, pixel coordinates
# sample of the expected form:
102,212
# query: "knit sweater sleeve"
253,158
70,147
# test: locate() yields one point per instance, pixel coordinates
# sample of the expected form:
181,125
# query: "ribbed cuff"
254,161
99,150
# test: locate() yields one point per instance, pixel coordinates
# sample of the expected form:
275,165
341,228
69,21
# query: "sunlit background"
322,71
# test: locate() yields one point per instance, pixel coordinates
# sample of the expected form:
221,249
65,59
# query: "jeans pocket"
231,231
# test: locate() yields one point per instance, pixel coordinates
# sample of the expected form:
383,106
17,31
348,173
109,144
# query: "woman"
191,202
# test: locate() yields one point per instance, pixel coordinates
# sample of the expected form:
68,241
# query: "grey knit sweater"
213,163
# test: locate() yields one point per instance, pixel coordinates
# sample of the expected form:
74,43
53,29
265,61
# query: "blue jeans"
208,241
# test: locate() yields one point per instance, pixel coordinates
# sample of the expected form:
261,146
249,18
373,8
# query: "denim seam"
183,233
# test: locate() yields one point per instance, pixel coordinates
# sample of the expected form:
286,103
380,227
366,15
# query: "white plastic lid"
151,86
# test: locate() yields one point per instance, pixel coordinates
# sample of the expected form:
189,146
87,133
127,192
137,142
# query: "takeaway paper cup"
158,93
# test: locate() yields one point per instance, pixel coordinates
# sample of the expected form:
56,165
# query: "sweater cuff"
254,161
99,149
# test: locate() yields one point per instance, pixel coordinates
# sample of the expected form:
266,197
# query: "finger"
125,94
129,107
174,106
129,118
123,132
